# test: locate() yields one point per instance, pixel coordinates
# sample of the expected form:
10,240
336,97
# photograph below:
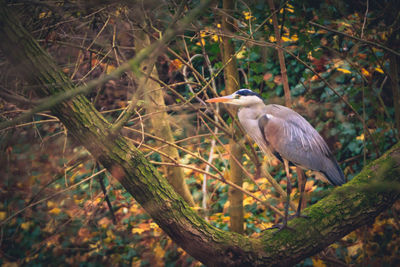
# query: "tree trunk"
231,85
160,120
344,210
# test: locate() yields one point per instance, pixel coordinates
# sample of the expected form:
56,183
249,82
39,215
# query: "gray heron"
281,132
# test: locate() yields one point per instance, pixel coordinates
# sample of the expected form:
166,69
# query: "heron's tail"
333,172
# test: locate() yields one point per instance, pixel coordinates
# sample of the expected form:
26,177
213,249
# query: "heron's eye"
237,96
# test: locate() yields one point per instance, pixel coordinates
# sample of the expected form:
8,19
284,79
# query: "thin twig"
49,197
131,64
169,34
142,127
223,180
365,20
176,146
263,43
103,188
281,56
356,38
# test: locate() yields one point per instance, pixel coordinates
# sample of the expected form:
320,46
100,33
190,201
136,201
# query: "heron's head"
242,97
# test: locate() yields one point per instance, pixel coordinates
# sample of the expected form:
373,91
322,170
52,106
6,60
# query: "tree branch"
345,209
356,38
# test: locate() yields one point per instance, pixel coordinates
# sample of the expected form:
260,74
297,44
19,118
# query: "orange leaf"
365,72
55,211
267,76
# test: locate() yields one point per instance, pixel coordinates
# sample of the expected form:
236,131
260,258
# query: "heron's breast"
253,130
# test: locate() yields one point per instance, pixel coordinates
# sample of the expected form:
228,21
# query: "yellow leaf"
227,204
226,219
50,226
136,262
262,180
110,234
345,24
361,137
365,72
3,215
50,204
384,36
215,38
247,15
26,225
378,69
247,215
272,39
259,194
97,201
318,263
43,15
137,231
267,225
294,38
242,53
153,226
248,201
246,186
78,201
95,248
159,251
158,254
134,208
343,70
202,42
353,250
55,211
110,68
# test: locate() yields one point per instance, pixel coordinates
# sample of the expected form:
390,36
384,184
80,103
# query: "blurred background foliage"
49,218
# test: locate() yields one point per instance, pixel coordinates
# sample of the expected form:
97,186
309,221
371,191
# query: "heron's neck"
253,111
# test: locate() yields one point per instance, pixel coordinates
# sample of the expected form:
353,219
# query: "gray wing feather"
296,140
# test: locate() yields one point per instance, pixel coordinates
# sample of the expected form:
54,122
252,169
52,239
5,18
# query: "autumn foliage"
59,206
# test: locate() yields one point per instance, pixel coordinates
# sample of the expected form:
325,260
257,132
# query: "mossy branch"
345,209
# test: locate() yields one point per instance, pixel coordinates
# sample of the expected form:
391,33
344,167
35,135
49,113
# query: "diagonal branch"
131,64
344,210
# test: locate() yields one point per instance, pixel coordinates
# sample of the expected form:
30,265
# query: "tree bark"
232,83
160,120
345,209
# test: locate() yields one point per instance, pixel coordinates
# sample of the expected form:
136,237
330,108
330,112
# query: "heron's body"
282,132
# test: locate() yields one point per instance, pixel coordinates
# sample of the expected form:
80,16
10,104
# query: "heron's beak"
225,99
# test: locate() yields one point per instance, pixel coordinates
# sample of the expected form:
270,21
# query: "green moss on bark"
345,209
